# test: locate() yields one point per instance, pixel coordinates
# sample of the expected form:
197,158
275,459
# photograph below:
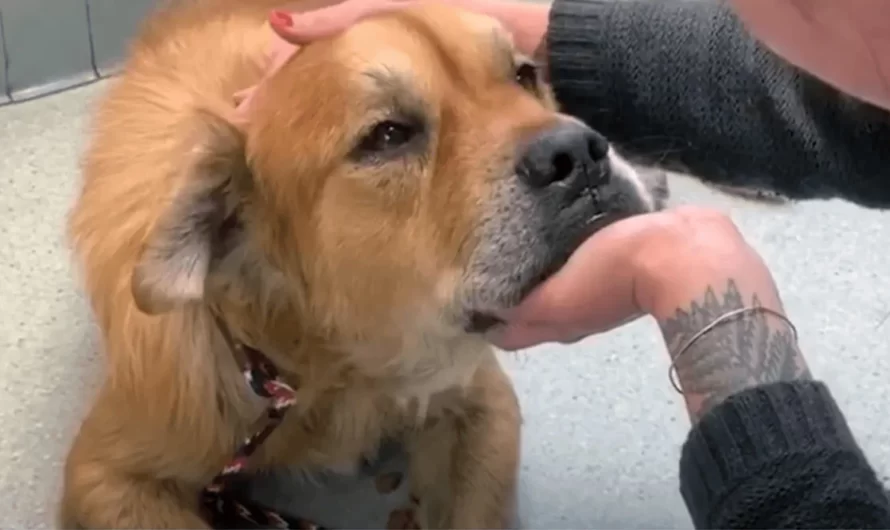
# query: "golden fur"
357,268
344,275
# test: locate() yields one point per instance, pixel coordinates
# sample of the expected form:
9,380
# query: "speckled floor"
603,427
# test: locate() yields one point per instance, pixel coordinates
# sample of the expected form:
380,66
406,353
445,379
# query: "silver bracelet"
716,322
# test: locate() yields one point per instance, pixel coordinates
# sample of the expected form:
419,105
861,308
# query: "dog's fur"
357,274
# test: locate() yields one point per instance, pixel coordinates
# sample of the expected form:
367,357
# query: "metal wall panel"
112,24
47,45
4,87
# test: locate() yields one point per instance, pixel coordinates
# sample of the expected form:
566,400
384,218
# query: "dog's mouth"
561,256
542,234
483,321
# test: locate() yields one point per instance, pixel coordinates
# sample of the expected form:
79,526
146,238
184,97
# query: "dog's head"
408,176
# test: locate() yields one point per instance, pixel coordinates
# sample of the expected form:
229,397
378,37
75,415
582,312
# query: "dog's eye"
527,76
387,135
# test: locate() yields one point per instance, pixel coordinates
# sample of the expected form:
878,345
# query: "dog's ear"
200,225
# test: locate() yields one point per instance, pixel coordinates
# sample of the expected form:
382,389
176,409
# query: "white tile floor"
603,428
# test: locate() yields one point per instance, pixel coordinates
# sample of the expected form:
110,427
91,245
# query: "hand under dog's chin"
482,321
530,246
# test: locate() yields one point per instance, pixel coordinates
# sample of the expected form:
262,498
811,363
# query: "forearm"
764,434
683,84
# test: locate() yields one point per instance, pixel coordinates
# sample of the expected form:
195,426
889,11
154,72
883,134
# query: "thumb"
546,305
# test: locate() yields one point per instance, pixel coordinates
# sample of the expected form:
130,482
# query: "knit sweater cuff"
577,40
753,429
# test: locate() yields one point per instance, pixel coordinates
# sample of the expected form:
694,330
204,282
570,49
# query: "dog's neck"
420,367
411,369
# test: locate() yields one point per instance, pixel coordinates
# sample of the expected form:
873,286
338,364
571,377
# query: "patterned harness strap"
218,499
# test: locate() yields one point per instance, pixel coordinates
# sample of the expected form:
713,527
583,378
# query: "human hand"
652,264
843,43
689,268
277,54
526,22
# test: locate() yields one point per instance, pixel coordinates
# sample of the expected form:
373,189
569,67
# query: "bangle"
716,322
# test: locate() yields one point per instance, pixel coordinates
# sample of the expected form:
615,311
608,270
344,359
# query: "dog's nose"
561,152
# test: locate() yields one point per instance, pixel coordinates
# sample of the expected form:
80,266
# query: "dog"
396,187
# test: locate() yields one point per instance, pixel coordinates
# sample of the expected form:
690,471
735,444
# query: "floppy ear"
200,225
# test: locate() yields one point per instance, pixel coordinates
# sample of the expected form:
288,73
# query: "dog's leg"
109,500
464,466
113,480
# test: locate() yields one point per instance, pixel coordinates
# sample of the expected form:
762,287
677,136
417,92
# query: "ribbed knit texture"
682,83
779,456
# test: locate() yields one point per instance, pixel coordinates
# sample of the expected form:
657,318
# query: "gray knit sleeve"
682,83
779,456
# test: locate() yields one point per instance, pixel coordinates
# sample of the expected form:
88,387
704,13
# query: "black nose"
561,152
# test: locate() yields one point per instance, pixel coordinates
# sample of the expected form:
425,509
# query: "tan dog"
397,185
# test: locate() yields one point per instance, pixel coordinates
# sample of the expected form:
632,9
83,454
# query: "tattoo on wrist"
754,349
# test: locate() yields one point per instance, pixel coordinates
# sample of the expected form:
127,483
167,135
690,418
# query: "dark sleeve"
683,84
779,456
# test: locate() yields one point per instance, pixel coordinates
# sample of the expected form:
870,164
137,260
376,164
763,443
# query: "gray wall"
50,45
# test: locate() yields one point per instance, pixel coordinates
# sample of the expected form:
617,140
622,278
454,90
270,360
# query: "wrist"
719,348
688,251
693,267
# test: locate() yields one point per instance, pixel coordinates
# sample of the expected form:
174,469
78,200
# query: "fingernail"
281,18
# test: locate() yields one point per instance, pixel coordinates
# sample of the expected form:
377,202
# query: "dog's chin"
515,270
481,321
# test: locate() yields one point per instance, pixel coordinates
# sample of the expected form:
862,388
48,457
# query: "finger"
243,104
243,98
283,52
243,95
305,28
302,28
517,337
